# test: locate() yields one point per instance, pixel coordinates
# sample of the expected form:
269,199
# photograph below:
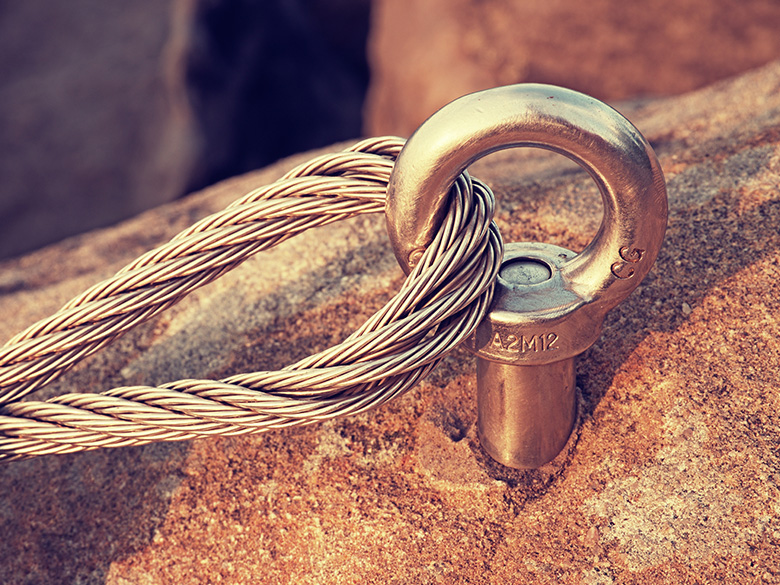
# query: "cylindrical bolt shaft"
525,413
526,349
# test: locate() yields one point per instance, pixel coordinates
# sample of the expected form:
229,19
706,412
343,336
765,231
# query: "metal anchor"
549,303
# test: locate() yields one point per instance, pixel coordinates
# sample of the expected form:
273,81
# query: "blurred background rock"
109,108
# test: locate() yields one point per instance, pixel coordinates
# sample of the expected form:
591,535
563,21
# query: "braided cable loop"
439,305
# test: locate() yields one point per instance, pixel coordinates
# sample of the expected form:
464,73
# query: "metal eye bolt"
549,303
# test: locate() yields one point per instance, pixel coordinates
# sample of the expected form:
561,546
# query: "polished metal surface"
526,347
549,302
525,414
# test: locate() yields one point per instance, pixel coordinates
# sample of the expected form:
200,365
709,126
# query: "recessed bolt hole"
525,271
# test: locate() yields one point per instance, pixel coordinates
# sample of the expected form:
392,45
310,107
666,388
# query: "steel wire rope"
440,303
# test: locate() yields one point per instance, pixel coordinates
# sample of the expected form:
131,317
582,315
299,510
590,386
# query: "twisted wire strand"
441,302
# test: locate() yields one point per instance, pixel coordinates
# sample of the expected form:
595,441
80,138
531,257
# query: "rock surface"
672,475
425,54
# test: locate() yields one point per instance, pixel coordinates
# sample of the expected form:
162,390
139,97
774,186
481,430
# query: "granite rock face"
425,54
672,474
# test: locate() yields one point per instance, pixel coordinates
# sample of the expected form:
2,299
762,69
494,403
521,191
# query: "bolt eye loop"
589,132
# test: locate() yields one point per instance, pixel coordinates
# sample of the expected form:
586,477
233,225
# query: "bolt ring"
589,132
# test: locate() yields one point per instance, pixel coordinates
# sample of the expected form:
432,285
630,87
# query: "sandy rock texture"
425,54
672,475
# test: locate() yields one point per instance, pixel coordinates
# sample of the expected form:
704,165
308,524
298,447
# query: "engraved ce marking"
523,344
624,270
